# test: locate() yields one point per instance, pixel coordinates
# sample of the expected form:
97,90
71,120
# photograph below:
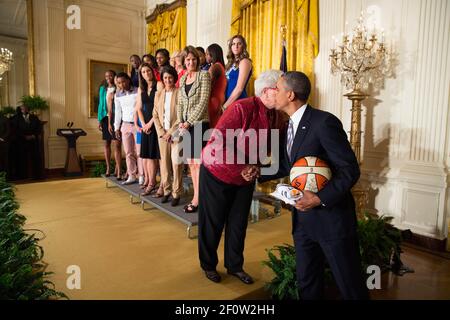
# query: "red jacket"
244,114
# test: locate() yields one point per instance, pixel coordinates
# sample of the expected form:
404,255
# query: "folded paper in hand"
287,193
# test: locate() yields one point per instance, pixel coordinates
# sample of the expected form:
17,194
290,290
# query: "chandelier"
360,59
6,59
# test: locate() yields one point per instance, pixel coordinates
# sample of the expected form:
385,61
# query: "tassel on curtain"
259,22
166,28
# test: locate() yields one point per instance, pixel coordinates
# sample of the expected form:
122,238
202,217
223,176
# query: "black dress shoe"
165,199
175,202
214,276
243,276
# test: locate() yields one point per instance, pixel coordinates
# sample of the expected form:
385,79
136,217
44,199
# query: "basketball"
310,173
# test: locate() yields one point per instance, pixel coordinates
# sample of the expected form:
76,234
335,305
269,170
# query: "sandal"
149,190
190,208
160,192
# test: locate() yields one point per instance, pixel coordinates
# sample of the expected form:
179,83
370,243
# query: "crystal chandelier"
6,59
360,59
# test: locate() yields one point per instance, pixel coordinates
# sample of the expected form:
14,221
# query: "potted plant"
35,104
7,111
379,244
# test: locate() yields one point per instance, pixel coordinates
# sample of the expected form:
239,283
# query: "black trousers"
343,258
222,205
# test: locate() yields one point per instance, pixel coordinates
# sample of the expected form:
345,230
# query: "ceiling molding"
161,8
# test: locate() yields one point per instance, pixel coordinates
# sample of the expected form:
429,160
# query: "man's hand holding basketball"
308,201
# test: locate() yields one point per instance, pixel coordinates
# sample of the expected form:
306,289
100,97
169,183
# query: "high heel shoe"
149,190
190,208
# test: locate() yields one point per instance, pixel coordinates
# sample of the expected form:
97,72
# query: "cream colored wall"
110,31
208,22
406,124
17,78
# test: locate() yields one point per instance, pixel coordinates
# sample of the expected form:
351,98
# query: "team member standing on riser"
125,101
323,224
192,116
165,117
238,70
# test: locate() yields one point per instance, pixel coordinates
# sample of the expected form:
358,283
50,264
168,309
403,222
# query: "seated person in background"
4,142
27,155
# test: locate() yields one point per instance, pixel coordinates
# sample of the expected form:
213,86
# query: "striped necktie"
290,138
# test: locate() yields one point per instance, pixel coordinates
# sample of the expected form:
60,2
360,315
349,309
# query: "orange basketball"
310,173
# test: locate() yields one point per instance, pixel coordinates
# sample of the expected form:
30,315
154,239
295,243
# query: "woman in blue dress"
238,70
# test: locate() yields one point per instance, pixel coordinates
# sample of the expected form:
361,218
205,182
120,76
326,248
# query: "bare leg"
153,167
118,157
107,152
194,168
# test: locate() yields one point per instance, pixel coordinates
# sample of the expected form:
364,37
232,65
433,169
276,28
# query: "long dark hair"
142,82
216,53
152,60
232,60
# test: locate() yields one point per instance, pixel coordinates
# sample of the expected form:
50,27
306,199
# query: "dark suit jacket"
320,134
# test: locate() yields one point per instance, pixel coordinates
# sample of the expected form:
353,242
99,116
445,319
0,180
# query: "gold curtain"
168,31
259,21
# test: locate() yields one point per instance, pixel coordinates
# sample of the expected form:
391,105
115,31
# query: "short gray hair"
267,79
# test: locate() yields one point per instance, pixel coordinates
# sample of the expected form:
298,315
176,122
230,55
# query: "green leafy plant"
22,272
99,168
379,244
379,241
284,285
7,111
34,103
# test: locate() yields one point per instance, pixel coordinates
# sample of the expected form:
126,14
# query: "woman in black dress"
149,139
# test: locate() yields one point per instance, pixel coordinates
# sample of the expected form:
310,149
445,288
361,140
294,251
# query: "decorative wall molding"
56,23
161,8
62,63
214,27
406,124
432,83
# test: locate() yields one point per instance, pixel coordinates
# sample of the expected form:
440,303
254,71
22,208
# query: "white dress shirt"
124,107
167,101
297,117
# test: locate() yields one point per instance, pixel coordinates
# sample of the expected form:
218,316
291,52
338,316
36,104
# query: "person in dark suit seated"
323,223
27,130
4,142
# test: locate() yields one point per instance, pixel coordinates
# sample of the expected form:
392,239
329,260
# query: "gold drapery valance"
259,21
166,27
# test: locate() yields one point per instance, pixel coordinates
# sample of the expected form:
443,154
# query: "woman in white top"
125,101
165,121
